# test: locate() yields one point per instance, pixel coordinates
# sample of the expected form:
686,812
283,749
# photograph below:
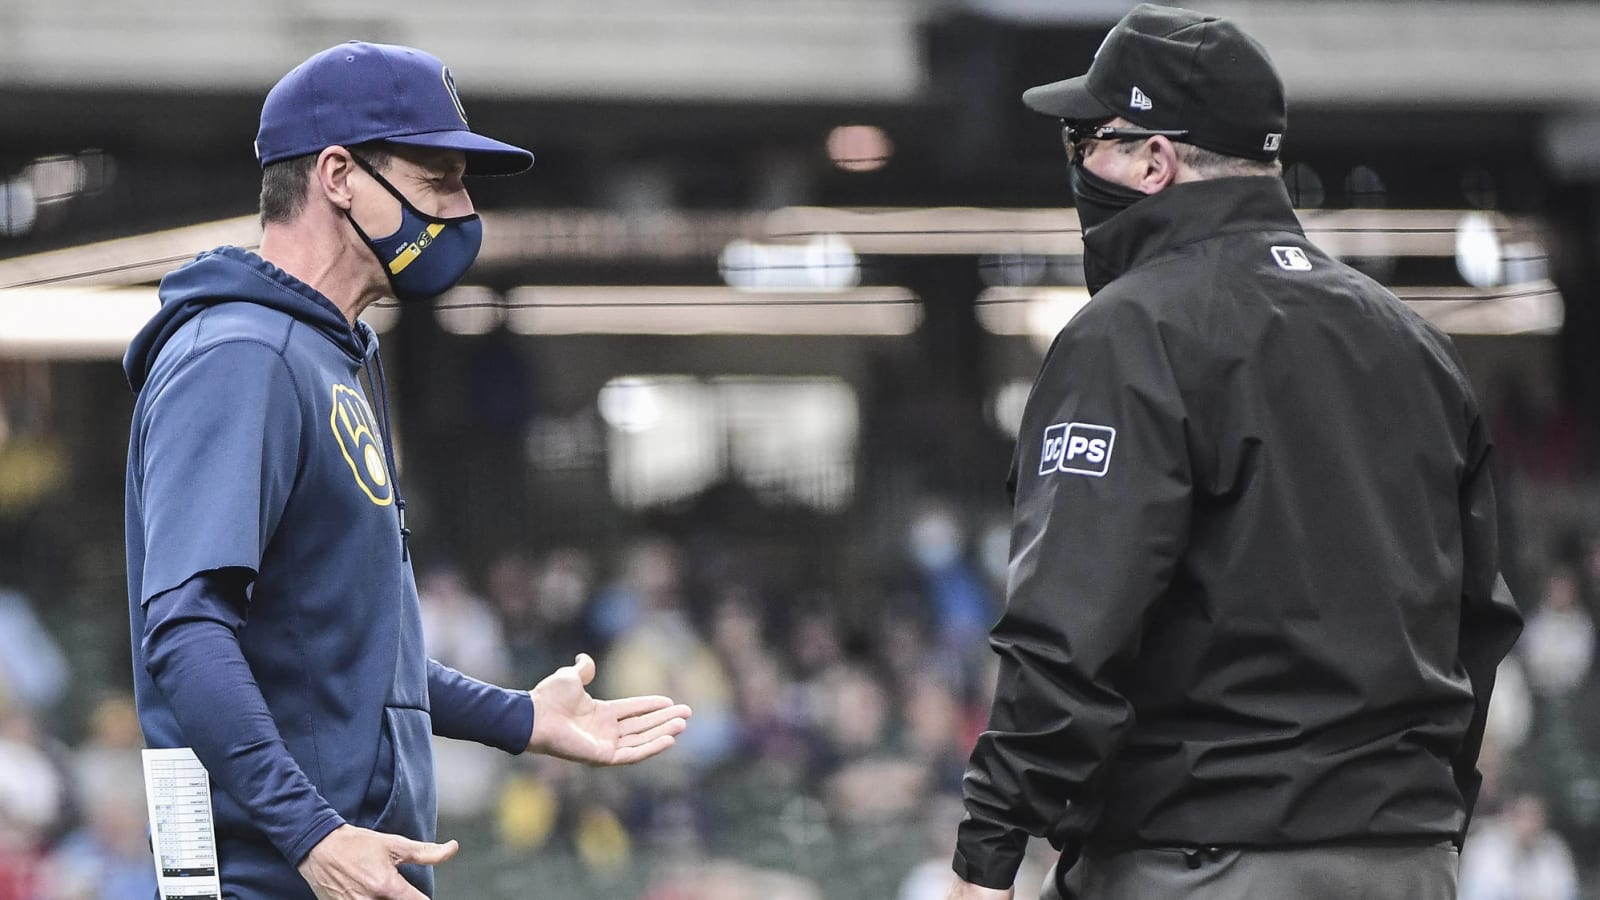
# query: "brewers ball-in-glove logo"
357,434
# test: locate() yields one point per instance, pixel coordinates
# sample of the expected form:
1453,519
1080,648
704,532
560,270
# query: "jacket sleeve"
219,451
1490,622
191,648
1097,531
467,709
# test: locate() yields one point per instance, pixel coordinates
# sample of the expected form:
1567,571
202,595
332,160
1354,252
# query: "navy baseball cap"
1166,68
358,92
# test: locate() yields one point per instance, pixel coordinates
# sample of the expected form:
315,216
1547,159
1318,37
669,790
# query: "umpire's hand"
359,864
966,890
569,723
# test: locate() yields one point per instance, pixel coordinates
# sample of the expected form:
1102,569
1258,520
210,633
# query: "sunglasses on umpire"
1075,136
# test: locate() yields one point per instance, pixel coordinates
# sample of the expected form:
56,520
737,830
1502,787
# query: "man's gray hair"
284,183
1210,164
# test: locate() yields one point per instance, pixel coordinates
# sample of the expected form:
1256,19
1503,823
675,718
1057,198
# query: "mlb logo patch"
1077,448
1291,259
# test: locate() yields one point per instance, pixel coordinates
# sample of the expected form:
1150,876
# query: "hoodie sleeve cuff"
302,845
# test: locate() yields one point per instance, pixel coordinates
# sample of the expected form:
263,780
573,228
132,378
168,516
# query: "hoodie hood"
234,275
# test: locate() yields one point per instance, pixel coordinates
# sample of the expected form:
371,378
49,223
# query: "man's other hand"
965,890
359,864
570,724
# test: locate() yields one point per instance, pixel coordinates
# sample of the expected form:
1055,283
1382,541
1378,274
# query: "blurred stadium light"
654,309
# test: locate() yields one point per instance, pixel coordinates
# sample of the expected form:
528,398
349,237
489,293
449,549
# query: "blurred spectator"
1516,857
775,735
463,631
550,804
32,804
512,591
873,782
107,763
994,555
1511,715
658,650
934,730
1511,708
108,858
33,669
962,606
736,631
563,585
815,646
651,579
542,607
1559,641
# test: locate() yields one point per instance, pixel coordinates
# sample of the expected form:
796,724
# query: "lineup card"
182,832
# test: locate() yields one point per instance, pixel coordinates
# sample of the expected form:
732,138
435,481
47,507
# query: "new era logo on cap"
1273,141
1139,100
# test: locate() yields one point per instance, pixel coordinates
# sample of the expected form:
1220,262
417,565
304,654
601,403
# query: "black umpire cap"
1166,68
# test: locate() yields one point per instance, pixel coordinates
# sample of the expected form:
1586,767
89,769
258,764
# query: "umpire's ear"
1159,165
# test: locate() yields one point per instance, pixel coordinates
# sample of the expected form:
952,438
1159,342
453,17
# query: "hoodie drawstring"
381,386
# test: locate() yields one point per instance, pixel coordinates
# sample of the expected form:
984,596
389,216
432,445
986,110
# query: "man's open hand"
570,724
359,864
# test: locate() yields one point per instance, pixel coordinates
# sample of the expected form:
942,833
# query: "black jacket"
1253,595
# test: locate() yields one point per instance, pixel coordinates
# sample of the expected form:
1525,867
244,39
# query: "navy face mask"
426,255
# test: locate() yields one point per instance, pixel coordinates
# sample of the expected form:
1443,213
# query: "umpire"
1253,615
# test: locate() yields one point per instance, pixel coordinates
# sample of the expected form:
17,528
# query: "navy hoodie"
273,609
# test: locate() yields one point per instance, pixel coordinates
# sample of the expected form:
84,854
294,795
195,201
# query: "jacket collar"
1182,214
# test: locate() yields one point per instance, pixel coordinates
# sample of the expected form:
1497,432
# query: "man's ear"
1159,165
332,176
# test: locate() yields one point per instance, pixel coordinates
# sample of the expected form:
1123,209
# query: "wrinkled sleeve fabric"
1490,621
191,648
1094,543
467,709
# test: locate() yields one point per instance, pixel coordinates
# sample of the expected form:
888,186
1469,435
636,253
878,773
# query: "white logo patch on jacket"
1291,259
1077,448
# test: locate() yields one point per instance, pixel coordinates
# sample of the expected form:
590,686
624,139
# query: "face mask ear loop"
372,170
362,232
382,263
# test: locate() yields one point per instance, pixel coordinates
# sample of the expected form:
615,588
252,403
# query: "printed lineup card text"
183,835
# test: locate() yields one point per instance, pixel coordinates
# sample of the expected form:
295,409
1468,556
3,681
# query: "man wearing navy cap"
274,613
1254,613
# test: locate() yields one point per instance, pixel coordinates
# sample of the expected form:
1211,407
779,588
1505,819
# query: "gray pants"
1318,873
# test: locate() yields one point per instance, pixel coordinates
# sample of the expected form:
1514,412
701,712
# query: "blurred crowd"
831,725
828,740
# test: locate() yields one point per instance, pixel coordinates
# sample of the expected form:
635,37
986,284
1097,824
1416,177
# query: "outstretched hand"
570,724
